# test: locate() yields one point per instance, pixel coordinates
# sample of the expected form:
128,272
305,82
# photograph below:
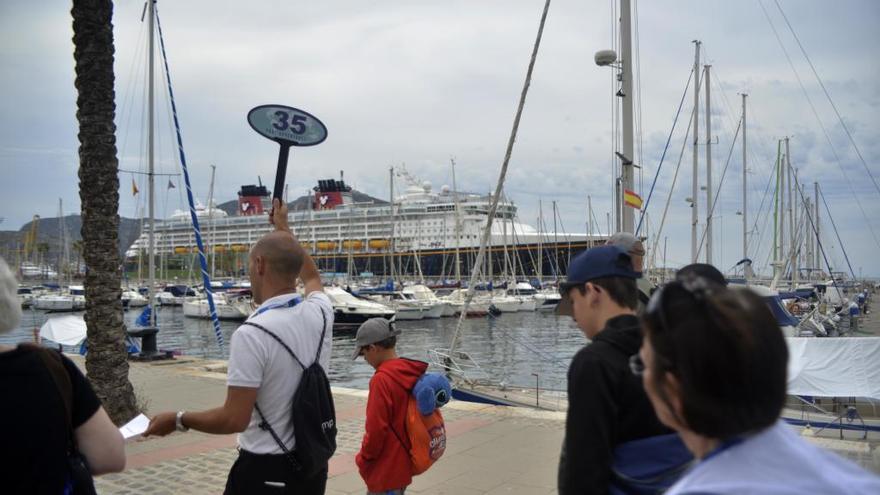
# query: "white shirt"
257,360
776,461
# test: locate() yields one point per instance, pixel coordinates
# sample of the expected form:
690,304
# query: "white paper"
135,427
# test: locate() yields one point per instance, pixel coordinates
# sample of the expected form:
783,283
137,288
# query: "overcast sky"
418,82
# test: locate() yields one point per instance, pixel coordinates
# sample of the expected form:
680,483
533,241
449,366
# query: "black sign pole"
281,172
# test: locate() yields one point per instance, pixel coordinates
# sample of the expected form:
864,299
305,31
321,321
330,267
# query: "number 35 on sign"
287,125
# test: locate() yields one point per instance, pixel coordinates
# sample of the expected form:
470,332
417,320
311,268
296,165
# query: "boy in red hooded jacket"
384,461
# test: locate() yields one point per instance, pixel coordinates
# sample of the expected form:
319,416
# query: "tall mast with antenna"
626,74
708,168
695,189
151,161
745,205
457,225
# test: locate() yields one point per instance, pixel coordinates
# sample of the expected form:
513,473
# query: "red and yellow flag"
134,188
631,199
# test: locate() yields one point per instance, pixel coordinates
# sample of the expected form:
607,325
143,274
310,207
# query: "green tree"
107,360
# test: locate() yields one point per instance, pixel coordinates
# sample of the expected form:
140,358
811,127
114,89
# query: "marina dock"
491,449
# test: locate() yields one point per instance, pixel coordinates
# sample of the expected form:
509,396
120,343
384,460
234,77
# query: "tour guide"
607,405
260,369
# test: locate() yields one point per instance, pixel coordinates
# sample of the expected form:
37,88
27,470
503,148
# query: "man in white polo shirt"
261,372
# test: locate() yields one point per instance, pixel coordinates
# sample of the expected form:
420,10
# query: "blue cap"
599,262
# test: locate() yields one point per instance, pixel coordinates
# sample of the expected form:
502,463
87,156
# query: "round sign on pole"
287,125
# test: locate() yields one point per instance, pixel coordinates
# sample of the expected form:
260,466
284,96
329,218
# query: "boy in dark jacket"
384,460
607,405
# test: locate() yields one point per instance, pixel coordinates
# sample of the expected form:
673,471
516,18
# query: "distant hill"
49,232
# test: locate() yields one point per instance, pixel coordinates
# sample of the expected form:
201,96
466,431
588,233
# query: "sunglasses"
698,288
636,365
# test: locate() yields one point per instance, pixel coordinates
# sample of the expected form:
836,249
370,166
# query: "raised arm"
309,273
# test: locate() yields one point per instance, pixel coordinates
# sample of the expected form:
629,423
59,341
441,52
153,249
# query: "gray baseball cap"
372,331
629,243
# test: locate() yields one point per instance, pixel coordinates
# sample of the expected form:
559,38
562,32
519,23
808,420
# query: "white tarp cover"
66,330
834,367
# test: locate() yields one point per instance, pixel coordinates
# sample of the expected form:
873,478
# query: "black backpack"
312,412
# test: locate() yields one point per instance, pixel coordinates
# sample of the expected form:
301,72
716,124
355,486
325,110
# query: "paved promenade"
491,450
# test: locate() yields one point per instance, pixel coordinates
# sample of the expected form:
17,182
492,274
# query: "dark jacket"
607,406
384,461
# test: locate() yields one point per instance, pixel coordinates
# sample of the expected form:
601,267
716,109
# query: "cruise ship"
421,234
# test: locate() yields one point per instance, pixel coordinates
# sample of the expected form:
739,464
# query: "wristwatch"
179,422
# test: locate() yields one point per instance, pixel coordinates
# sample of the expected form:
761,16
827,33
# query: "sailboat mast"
791,238
695,189
60,258
540,242
708,168
590,220
817,263
210,213
626,74
391,199
457,225
151,262
555,242
745,205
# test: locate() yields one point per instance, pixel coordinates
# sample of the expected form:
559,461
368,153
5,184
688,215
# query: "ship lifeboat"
353,244
181,250
306,245
326,246
379,243
239,248
219,249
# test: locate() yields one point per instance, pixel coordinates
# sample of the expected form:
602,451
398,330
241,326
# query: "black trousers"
270,474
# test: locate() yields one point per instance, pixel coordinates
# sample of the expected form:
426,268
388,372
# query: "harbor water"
512,348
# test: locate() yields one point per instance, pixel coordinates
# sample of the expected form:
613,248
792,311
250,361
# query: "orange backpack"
427,436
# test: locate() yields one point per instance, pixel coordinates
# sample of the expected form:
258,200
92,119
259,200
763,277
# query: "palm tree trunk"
107,360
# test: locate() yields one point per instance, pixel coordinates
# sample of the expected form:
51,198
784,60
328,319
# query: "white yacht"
25,296
479,305
133,299
424,294
229,306
174,295
351,310
73,299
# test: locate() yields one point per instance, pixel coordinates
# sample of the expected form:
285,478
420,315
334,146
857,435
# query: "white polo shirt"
257,360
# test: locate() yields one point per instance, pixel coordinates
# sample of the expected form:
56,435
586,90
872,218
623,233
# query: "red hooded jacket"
384,461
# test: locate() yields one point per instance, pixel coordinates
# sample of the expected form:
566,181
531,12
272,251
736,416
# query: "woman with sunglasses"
713,363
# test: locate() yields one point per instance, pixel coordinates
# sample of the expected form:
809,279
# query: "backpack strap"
264,425
277,338
52,360
391,426
287,348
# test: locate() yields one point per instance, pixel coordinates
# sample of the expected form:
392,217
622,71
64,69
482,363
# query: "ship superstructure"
353,237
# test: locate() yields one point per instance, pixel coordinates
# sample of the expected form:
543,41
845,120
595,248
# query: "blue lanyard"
289,304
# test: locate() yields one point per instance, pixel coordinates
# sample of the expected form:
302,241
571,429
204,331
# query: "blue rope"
203,261
663,157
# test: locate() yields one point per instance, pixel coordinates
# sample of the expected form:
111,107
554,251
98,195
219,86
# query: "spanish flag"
134,188
631,199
